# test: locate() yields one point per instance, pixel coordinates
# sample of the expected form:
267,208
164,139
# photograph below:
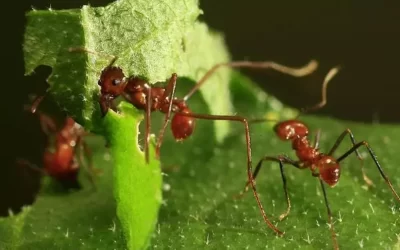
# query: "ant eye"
116,82
99,83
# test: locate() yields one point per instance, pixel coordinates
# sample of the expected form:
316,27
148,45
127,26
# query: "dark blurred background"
362,36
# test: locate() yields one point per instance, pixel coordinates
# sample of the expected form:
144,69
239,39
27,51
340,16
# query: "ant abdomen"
329,170
288,130
58,163
182,126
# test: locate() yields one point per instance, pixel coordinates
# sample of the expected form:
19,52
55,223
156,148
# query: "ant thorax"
305,153
69,135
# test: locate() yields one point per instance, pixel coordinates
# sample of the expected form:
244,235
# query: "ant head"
290,129
112,81
182,126
329,170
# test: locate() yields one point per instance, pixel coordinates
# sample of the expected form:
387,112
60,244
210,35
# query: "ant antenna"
85,50
332,72
296,72
32,108
259,120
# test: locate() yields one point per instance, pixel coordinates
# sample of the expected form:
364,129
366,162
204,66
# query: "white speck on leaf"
113,227
372,208
361,243
166,187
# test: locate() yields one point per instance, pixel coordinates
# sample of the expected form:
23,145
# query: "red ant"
324,166
142,95
60,159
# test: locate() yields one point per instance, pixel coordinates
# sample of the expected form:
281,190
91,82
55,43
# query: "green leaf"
137,185
152,39
200,211
11,228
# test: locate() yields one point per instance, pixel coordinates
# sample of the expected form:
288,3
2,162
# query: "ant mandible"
326,167
142,95
60,160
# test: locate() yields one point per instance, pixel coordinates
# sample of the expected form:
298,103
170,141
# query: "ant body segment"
60,157
326,167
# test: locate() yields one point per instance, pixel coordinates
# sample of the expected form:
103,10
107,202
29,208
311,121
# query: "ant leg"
296,72
367,180
170,168
35,104
89,156
259,120
84,50
84,133
30,165
286,213
317,138
167,169
364,143
169,93
47,124
89,169
281,160
147,124
249,163
335,243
